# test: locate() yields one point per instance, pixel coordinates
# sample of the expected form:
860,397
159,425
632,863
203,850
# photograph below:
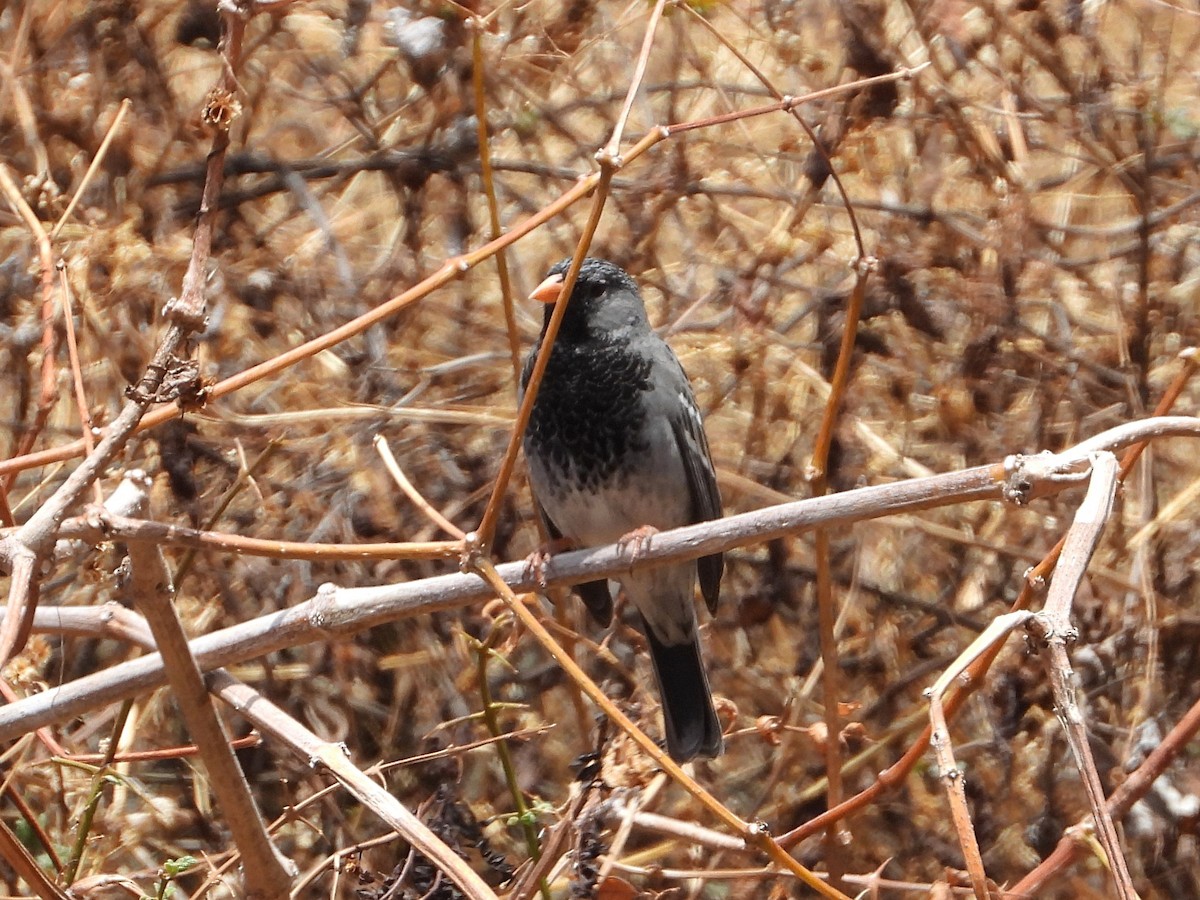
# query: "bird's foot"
636,542
535,562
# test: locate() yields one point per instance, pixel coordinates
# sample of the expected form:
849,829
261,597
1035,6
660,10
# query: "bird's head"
605,299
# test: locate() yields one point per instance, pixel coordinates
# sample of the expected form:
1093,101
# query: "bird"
616,450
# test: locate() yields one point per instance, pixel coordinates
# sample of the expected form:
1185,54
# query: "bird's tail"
688,715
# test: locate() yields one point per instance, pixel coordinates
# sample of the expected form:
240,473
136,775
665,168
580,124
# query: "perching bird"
615,443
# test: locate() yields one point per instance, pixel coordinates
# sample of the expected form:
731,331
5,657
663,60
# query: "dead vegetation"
1029,199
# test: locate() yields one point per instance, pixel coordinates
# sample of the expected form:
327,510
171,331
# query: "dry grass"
1031,199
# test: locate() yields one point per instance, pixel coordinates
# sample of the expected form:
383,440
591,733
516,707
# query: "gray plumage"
615,442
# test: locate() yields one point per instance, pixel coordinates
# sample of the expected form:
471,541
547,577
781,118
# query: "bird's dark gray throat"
589,417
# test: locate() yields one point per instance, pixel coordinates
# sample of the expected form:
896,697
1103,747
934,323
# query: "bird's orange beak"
549,290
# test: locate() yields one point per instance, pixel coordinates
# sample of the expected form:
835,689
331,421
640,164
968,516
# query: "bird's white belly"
592,519
664,594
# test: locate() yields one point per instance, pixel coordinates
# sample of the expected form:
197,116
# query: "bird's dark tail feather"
688,715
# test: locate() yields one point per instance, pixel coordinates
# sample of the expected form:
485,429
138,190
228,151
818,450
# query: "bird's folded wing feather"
688,429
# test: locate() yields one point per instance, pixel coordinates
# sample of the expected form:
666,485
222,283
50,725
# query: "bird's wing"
688,428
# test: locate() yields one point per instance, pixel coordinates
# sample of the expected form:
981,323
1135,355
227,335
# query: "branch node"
473,550
758,829
326,596
1017,484
865,265
187,312
1035,580
609,159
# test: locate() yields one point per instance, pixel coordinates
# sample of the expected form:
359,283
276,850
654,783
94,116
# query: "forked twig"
93,166
1056,629
953,779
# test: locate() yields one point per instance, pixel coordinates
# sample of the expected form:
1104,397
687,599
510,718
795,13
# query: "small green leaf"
173,868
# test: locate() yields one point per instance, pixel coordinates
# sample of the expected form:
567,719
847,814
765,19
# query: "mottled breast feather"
587,417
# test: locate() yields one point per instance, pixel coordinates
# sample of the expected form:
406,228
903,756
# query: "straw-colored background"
1030,199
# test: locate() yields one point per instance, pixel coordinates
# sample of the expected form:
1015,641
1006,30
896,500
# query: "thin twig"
625,821
95,792
483,652
610,161
99,526
613,148
49,392
85,417
478,27
393,467
93,166
787,103
245,475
